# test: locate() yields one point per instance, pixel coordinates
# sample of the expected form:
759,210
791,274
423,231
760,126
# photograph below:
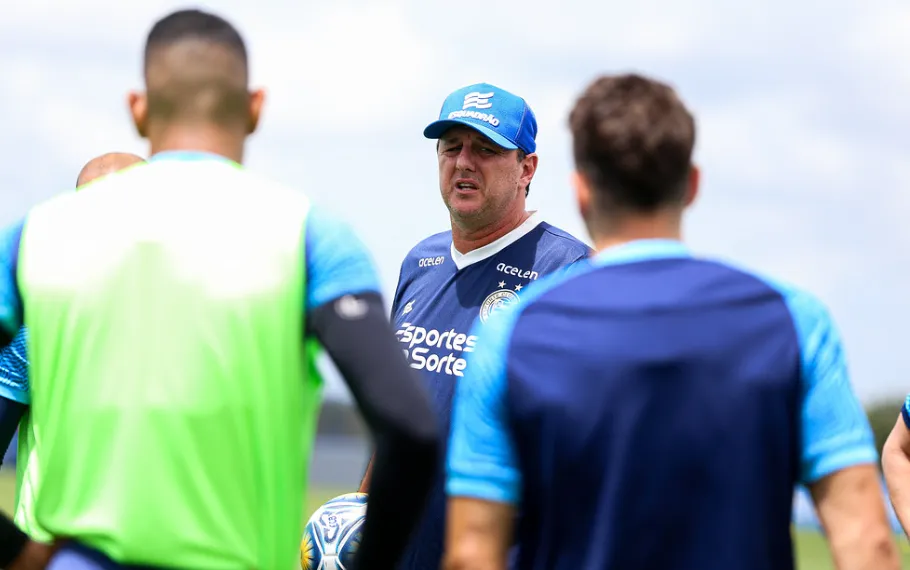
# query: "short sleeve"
14,370
10,299
482,461
835,430
337,261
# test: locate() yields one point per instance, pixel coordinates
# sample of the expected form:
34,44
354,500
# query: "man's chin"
464,212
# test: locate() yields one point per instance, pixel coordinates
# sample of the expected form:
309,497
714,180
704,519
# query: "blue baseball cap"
503,117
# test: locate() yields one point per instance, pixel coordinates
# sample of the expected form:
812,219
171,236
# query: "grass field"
811,549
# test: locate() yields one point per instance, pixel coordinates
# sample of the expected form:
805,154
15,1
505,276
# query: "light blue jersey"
14,370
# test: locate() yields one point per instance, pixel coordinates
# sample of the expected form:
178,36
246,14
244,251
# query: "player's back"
655,406
165,308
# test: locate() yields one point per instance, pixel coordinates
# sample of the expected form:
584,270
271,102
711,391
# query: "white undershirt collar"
463,260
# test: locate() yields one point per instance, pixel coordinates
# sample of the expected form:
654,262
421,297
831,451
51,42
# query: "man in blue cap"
487,157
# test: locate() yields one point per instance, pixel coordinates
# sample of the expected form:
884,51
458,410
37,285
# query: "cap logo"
478,100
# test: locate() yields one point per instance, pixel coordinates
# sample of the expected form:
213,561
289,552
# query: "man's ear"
257,100
139,108
693,186
582,193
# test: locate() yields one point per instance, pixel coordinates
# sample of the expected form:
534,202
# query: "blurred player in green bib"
174,312
14,393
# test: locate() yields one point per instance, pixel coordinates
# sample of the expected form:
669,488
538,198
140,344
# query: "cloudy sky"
801,108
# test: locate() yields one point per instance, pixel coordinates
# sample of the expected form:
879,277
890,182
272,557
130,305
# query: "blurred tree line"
341,418
882,416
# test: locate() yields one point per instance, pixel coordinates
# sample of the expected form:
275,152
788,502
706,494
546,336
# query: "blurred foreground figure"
14,386
174,312
650,409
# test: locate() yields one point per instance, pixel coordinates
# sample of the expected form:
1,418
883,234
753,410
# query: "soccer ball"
332,535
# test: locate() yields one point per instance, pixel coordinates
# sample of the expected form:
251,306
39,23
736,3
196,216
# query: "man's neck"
199,139
468,239
658,226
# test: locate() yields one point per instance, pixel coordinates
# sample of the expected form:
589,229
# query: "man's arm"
838,459
346,314
10,299
365,481
11,413
483,481
17,552
14,393
896,466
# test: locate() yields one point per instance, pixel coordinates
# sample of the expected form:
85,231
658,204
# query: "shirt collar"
641,250
189,156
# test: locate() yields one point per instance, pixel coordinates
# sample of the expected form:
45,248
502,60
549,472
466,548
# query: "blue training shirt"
14,370
648,409
440,294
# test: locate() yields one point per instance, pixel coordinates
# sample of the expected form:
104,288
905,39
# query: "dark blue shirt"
651,410
440,294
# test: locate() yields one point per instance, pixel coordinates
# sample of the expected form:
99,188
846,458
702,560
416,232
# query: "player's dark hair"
195,25
633,140
207,78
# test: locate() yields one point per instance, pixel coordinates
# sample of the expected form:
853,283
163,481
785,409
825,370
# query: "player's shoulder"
504,321
56,202
436,246
272,193
561,238
802,303
550,283
328,233
235,185
559,244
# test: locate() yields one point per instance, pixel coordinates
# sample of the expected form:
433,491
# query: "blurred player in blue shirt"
649,409
486,149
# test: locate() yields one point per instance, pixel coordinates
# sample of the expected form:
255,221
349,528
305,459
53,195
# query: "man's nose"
465,159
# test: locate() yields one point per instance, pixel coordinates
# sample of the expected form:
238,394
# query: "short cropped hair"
195,25
633,140
196,69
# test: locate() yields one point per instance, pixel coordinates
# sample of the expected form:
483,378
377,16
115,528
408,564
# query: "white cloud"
644,29
358,70
881,35
765,134
75,122
874,49
335,66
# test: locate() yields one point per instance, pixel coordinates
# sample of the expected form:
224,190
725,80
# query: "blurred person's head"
632,141
196,79
105,164
487,155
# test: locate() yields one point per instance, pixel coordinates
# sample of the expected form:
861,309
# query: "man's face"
479,179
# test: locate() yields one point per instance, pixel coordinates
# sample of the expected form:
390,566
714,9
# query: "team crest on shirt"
498,299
